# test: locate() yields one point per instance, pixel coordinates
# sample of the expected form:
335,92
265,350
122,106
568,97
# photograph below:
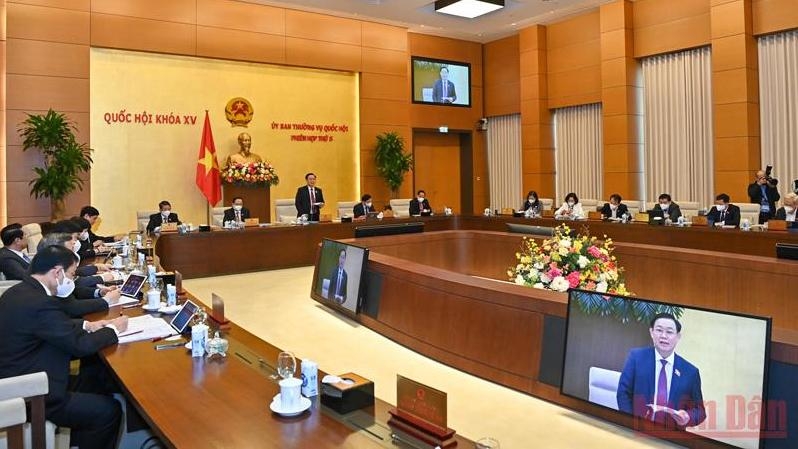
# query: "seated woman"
614,209
532,205
788,211
571,208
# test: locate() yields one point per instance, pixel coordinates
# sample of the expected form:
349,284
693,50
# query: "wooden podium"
256,198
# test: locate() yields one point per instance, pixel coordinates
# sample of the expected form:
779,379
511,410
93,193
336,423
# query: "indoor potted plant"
392,161
64,157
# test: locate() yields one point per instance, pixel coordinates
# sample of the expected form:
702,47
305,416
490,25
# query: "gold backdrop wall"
137,164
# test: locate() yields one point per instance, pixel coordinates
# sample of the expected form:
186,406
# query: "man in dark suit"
38,335
237,212
443,90
659,385
91,214
362,208
14,262
614,209
420,205
763,191
309,199
164,216
669,210
723,213
338,277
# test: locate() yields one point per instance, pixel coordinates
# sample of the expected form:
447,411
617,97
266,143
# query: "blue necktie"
25,258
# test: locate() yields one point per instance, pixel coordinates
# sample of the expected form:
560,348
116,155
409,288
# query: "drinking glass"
487,443
286,365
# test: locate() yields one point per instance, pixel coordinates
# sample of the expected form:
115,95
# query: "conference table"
277,246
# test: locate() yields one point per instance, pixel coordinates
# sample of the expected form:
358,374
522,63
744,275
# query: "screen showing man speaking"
339,273
441,82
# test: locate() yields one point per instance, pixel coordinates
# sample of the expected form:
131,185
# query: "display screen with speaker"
339,274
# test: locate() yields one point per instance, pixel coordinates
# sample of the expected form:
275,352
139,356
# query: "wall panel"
324,55
770,16
132,33
573,58
184,11
322,27
662,26
53,58
242,45
47,24
235,15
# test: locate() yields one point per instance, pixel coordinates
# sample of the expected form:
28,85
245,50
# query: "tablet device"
183,316
132,285
372,216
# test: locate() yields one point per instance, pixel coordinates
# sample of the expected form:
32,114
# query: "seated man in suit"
91,214
659,385
614,209
89,275
338,277
362,208
38,335
237,212
164,216
669,210
420,205
786,212
309,199
723,213
14,261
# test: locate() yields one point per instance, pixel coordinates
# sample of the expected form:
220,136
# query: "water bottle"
680,220
310,378
745,224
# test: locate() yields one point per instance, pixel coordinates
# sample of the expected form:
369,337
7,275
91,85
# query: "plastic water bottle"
745,224
310,378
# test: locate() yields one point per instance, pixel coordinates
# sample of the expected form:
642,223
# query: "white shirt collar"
18,253
669,359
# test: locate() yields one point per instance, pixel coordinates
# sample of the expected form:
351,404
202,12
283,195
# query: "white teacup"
153,298
290,393
117,262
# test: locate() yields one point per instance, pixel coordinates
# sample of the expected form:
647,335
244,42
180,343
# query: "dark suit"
770,198
674,212
303,203
77,306
437,92
230,215
94,237
781,214
730,216
38,335
416,208
536,206
638,380
606,211
156,220
14,267
360,210
337,291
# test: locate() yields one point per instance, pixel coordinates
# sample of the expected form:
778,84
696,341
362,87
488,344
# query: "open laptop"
372,216
132,285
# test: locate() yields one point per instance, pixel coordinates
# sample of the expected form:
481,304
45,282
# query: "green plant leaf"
391,160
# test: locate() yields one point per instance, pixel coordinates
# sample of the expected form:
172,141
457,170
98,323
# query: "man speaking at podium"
309,199
237,213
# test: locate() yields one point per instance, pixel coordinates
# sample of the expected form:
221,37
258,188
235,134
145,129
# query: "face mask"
720,207
531,199
84,235
571,203
421,199
166,214
613,206
237,207
664,206
76,247
368,204
789,209
65,287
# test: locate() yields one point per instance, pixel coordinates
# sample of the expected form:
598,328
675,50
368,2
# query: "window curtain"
778,102
678,126
578,152
504,161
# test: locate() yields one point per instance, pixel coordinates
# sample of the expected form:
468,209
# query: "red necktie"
662,385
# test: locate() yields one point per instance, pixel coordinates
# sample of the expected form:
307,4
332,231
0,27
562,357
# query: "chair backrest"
603,386
689,208
346,208
633,206
401,207
33,388
546,203
217,215
33,231
749,211
12,417
285,210
142,218
589,204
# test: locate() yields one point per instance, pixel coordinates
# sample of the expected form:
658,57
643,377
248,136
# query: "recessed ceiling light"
468,8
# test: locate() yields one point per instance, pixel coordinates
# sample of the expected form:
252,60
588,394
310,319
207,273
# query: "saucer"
151,309
188,345
276,406
168,310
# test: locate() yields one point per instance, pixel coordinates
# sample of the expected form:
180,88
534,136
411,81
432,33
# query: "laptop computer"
372,216
656,216
132,285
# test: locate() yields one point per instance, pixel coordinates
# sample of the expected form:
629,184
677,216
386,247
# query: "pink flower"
595,252
555,272
590,285
573,279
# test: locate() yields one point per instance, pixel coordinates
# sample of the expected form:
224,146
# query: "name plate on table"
699,220
594,215
325,218
642,216
547,213
252,221
506,211
169,227
777,225
420,415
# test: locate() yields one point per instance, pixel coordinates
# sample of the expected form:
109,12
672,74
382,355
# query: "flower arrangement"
565,261
254,173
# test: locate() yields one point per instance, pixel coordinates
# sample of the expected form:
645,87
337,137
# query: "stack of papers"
145,327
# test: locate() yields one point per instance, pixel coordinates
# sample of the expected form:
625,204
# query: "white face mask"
664,206
571,203
76,248
237,207
720,207
531,199
166,214
421,199
65,287
84,235
368,204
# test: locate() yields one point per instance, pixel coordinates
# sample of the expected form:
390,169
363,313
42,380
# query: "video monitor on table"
713,383
339,272
440,82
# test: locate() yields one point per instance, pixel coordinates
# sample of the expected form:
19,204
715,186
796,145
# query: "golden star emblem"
208,161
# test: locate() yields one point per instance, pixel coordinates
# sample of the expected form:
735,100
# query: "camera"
770,179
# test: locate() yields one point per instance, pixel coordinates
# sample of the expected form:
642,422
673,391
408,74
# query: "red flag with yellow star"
208,176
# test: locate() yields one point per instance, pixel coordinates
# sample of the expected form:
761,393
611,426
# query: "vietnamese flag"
208,176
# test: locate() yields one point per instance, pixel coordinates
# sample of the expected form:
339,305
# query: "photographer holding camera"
763,192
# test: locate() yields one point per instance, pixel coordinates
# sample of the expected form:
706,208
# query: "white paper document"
145,327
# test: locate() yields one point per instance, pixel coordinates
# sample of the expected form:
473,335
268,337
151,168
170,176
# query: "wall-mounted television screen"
339,271
679,371
440,82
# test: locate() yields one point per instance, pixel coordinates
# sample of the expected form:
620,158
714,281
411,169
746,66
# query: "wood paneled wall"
669,25
3,167
573,48
502,76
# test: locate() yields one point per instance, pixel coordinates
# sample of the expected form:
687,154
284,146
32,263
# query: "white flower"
565,243
538,265
539,285
520,280
563,251
582,261
559,284
601,287
544,278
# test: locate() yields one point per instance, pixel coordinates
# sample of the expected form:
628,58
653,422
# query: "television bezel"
629,418
328,302
413,60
